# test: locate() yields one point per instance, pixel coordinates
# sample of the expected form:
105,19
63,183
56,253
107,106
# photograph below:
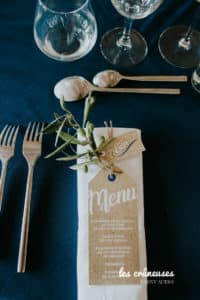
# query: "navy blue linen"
171,134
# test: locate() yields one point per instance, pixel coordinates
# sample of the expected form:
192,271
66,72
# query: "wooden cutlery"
32,147
8,138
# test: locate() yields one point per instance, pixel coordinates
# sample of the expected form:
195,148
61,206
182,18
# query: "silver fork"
32,147
8,138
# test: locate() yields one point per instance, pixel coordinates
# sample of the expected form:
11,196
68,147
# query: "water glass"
65,30
196,79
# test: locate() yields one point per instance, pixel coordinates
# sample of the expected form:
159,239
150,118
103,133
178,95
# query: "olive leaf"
63,105
81,132
58,117
90,134
72,157
59,149
89,102
54,125
59,131
73,140
51,127
81,165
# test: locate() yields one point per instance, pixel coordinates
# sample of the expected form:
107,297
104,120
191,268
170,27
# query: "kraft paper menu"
86,289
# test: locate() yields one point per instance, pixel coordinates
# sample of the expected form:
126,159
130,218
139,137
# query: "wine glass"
180,45
65,30
126,47
196,79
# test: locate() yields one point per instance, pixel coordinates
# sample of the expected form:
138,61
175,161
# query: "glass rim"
85,2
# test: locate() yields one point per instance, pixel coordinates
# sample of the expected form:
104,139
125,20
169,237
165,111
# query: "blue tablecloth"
171,134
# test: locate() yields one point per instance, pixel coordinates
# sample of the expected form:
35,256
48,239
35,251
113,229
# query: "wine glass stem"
189,32
185,42
125,39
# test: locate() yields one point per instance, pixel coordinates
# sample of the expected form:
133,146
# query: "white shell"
71,88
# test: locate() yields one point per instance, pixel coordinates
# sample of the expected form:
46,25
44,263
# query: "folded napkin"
133,167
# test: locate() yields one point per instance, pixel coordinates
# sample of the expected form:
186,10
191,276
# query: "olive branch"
70,133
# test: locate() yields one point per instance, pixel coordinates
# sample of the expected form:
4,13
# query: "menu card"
111,235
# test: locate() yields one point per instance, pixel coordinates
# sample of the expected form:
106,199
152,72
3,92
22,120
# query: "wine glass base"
195,80
195,86
122,56
182,56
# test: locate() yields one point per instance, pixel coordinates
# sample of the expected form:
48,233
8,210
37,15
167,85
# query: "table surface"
171,134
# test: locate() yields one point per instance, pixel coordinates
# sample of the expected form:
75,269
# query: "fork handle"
2,180
25,224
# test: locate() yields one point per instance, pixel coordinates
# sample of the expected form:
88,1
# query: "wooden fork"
32,147
8,138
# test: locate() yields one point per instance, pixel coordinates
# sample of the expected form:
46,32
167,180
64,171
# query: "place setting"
112,244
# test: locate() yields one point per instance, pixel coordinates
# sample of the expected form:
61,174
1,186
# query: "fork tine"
41,133
5,137
2,133
31,137
15,136
10,135
37,131
27,131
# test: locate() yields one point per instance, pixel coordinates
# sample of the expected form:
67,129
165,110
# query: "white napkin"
132,167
